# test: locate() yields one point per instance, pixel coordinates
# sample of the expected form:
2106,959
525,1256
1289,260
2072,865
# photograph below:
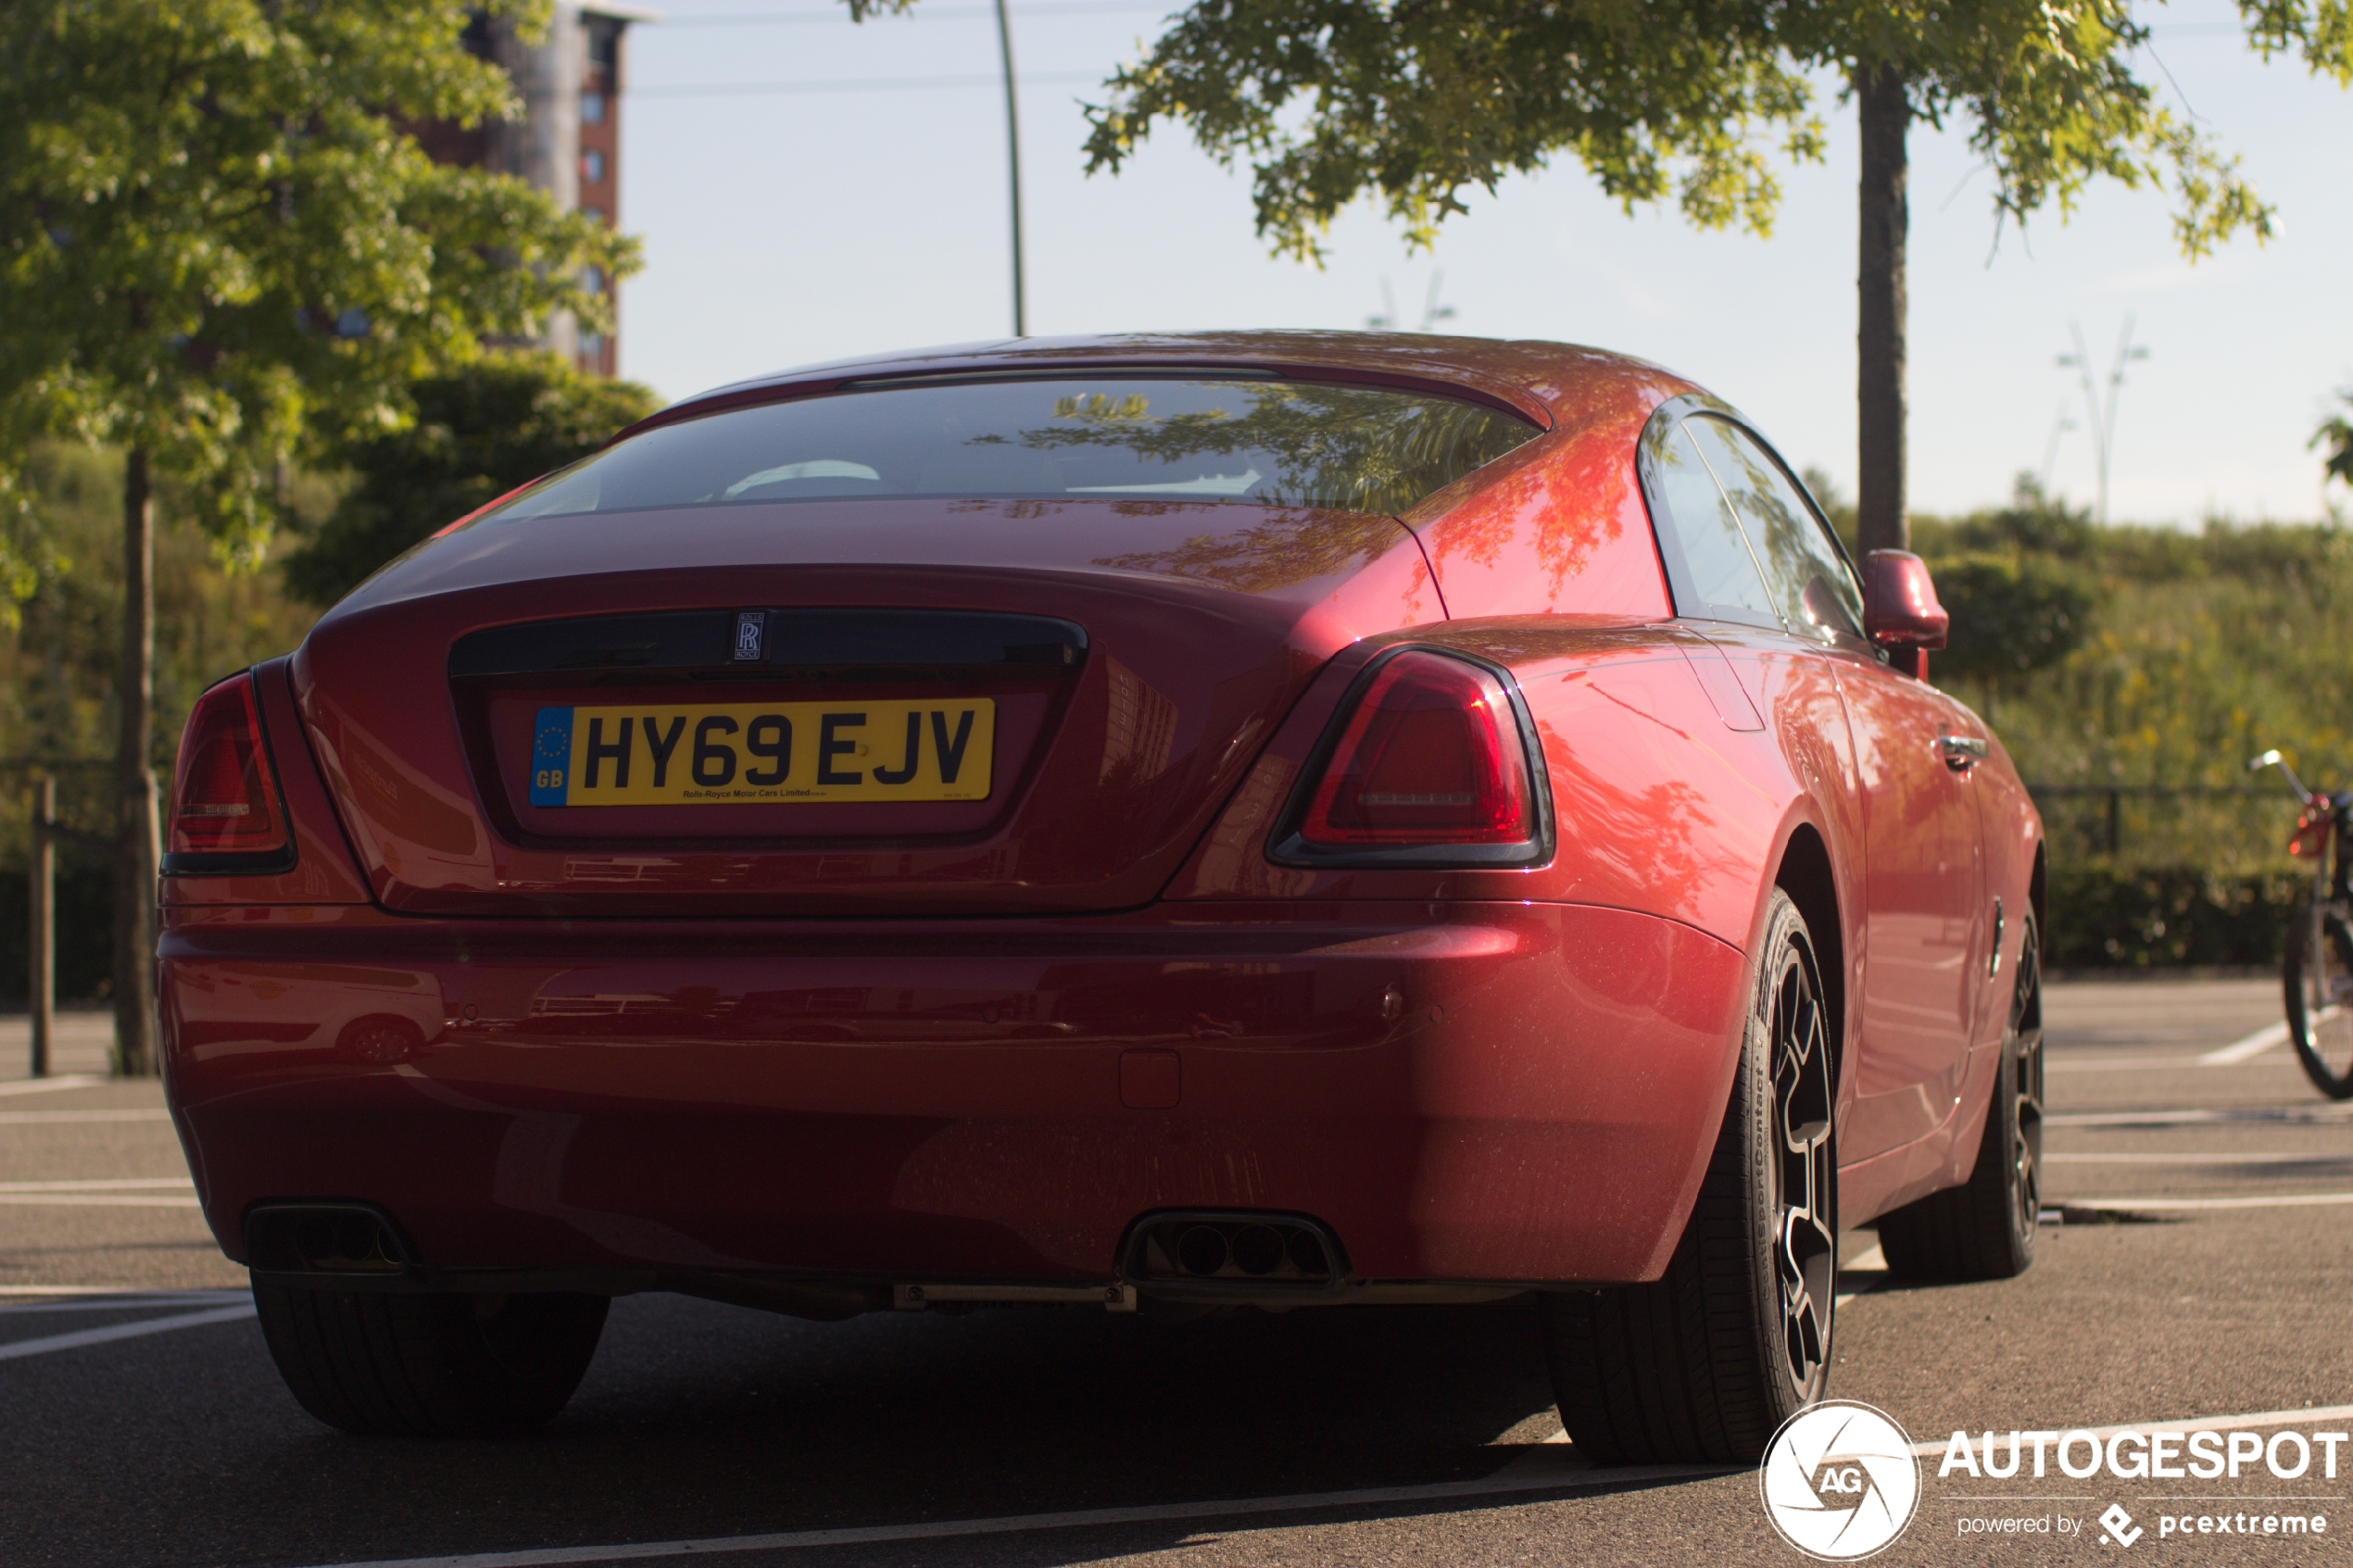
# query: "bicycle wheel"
2318,977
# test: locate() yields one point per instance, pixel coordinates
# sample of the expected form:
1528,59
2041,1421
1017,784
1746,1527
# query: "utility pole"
2103,412
1013,163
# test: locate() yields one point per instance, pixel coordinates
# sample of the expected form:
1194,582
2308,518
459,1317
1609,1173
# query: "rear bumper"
1461,1092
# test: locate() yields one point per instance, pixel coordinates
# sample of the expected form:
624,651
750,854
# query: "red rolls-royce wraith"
1152,823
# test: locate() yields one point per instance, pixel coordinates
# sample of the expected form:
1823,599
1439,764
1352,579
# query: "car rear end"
833,901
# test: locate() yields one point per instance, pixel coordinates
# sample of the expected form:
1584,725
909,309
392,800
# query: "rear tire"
1704,1364
1984,1229
430,1365
2318,977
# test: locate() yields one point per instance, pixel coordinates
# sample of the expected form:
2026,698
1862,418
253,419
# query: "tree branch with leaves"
221,245
1412,104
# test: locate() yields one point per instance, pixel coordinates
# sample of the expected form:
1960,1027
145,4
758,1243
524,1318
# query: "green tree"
218,242
2337,435
1412,102
478,433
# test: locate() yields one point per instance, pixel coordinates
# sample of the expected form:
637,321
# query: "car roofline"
1461,367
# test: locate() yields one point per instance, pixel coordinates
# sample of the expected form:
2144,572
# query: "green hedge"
2164,916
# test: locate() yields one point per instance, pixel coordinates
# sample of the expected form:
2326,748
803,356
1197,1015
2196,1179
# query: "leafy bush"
2011,617
2104,916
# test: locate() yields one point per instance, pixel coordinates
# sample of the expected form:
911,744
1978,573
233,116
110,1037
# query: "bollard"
41,962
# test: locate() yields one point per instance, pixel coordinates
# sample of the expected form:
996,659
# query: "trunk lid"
1110,668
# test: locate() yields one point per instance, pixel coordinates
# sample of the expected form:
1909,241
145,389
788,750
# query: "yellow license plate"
754,752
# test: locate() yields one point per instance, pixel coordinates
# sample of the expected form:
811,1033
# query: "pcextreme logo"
1839,1481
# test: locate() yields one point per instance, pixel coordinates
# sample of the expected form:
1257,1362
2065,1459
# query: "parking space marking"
2282,1200
99,1199
2148,1064
49,1085
103,1184
2249,1158
2254,1045
2293,1115
2310,1413
114,1300
109,1290
50,1343
1543,1468
38,1118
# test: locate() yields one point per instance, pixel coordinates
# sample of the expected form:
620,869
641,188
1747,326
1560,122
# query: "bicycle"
2316,972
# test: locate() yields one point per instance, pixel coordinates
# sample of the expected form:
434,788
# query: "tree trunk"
1880,522
134,904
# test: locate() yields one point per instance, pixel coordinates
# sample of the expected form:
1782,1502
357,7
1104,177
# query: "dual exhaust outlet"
1206,1254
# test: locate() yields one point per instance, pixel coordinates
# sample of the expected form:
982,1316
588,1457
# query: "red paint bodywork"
977,1041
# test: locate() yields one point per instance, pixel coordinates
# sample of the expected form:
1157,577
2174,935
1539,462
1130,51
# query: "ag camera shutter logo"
1840,1481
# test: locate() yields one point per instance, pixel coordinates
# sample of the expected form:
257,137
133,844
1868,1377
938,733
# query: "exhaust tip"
1234,1249
1201,1252
325,1238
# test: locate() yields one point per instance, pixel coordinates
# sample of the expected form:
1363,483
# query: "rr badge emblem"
750,625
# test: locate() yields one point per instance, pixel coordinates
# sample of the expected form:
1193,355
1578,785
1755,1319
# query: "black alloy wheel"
1985,1228
1704,1364
2318,977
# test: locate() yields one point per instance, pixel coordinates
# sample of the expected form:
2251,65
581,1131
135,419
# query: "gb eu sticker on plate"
754,752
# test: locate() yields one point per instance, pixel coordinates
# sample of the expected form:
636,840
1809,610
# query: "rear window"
1269,443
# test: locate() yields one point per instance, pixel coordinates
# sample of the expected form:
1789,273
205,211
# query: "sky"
811,189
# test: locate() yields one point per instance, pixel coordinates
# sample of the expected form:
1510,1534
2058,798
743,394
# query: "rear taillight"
224,799
1431,758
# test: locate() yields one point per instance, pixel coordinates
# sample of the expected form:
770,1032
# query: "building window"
593,278
604,43
592,108
593,214
591,345
592,167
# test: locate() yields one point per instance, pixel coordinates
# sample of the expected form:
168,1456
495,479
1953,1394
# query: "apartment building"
568,143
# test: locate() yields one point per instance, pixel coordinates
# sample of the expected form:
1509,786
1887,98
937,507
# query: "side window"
1811,584
1722,570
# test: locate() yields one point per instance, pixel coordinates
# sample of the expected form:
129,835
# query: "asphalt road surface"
2202,1272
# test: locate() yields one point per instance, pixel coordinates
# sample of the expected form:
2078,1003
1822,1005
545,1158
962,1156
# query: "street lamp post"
1012,163
2103,412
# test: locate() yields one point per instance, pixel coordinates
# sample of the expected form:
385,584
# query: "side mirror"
1900,611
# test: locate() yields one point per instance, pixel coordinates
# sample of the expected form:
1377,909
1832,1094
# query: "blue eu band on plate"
740,753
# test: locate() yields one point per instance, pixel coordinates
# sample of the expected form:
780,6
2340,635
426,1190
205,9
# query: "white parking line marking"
97,1200
2282,1200
1543,1469
2254,1045
47,1085
51,1342
2143,1064
2199,1159
125,1290
2292,1114
2199,1423
35,1117
119,1301
104,1184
